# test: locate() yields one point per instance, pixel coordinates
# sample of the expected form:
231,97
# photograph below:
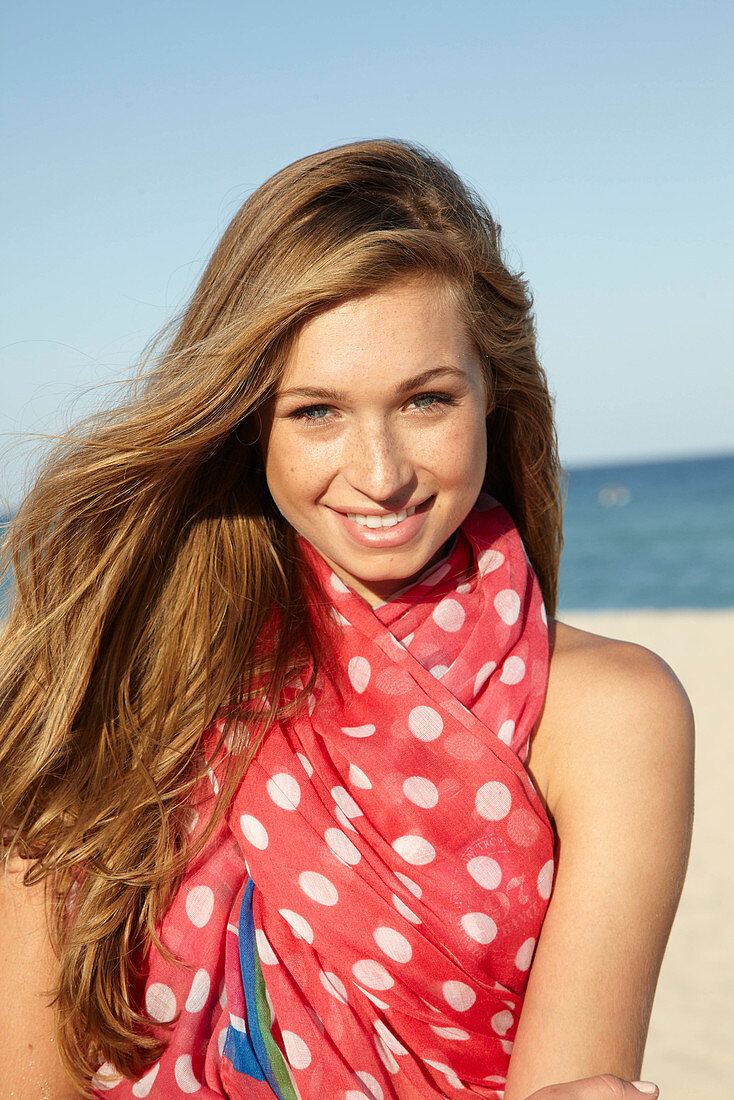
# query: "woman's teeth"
381,521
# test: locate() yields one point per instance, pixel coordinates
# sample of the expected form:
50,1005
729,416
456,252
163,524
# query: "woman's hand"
603,1087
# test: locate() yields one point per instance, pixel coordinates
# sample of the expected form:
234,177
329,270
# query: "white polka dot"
408,883
524,956
311,701
342,847
493,801
459,995
305,764
145,1084
190,819
254,831
199,905
337,584
483,675
513,670
199,992
393,943
299,926
385,1056
408,639
422,792
223,991
425,723
237,1023
214,781
485,871
358,779
439,670
506,731
333,985
414,849
371,997
106,1078
339,618
221,1040
160,1002
358,731
455,1033
284,791
451,1077
345,802
438,574
359,673
184,1074
235,738
264,950
390,1040
318,888
507,605
355,1094
462,589
543,615
371,1084
449,615
372,974
343,820
507,1045
296,1051
502,1022
404,911
545,879
479,926
489,560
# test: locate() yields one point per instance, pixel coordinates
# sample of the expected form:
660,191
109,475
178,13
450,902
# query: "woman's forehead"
411,326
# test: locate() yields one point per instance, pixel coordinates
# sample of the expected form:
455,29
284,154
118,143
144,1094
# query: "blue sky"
600,134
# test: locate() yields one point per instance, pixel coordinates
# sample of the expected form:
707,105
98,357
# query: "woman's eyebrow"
325,393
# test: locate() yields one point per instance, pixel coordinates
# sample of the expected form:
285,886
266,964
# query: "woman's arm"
613,758
30,1067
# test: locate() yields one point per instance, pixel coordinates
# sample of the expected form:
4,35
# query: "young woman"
303,790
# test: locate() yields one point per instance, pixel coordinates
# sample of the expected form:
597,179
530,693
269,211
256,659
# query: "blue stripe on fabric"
248,966
238,1045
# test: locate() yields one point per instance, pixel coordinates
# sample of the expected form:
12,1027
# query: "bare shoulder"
610,704
612,756
29,1062
589,670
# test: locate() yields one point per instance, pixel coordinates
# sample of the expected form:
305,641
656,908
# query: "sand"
690,1050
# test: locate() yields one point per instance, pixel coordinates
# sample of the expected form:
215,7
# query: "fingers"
603,1087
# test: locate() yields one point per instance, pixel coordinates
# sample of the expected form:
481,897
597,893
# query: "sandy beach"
690,1050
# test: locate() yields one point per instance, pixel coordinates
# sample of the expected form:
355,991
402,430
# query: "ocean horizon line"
654,460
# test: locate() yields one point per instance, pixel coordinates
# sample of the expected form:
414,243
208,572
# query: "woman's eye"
430,401
311,413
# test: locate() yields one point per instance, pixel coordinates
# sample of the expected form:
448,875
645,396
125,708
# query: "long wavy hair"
149,558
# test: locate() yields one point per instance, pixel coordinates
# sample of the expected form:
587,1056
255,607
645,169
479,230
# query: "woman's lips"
396,535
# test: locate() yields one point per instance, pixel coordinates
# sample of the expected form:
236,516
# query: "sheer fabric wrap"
363,922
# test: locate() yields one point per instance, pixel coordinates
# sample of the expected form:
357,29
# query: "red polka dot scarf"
363,923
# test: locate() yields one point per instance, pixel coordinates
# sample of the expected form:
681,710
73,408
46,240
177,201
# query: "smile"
389,520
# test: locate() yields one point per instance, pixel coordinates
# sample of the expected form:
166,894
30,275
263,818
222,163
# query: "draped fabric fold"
365,918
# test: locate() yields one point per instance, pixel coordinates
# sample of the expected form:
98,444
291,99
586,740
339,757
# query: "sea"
642,535
649,535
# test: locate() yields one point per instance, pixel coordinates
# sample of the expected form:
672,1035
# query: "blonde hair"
149,558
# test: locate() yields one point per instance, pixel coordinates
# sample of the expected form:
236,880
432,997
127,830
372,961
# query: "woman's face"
375,444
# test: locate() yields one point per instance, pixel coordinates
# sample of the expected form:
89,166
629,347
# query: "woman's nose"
378,465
